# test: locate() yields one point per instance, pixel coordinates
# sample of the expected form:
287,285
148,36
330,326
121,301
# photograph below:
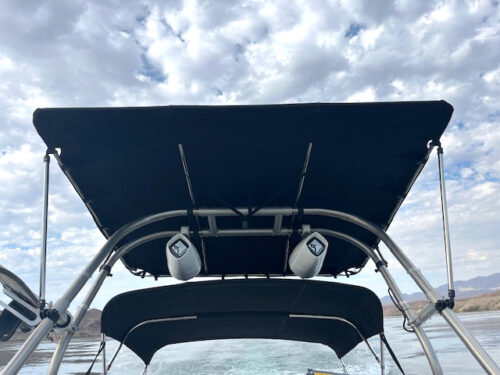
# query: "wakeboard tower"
256,192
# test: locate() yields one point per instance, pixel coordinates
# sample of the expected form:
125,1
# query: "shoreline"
482,303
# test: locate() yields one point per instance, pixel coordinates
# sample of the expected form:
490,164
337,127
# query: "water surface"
273,357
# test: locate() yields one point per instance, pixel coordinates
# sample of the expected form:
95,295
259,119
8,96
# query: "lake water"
263,357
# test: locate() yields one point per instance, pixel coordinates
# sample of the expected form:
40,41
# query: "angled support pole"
63,302
482,357
105,270
193,204
344,367
43,250
382,361
446,226
103,338
398,295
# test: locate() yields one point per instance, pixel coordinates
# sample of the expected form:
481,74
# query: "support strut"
100,259
43,249
446,226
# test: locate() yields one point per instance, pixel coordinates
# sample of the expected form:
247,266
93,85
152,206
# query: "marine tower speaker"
183,259
307,257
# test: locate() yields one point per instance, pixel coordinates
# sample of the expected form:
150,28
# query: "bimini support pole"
104,370
105,271
484,359
382,361
62,304
398,295
43,249
446,227
344,367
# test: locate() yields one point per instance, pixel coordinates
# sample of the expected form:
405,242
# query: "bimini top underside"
361,159
337,315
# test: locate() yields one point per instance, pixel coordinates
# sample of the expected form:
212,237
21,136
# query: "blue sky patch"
354,29
151,71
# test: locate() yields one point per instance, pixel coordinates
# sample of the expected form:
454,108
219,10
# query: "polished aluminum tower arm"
43,249
64,301
446,225
106,268
432,295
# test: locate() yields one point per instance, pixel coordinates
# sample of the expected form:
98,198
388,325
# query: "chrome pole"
421,335
391,283
411,317
64,301
432,295
80,313
104,371
344,367
58,354
470,341
382,363
43,250
446,227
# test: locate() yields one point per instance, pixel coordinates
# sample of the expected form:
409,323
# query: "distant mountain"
484,302
464,289
91,324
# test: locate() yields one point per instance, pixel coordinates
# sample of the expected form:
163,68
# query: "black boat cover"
300,310
125,164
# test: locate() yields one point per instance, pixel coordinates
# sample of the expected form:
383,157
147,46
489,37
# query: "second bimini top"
337,315
126,163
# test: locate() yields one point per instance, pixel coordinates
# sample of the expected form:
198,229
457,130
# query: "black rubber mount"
438,145
65,324
52,314
107,268
435,144
49,151
444,303
379,264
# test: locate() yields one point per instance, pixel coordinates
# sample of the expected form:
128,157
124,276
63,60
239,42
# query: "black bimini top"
337,315
125,164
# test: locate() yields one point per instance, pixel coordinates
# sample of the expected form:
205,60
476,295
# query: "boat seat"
21,294
8,323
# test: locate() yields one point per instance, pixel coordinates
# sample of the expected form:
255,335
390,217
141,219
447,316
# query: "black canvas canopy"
333,314
125,164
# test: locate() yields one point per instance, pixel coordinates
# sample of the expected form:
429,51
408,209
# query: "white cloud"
201,52
366,95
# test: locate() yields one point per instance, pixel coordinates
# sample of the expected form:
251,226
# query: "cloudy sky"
114,53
